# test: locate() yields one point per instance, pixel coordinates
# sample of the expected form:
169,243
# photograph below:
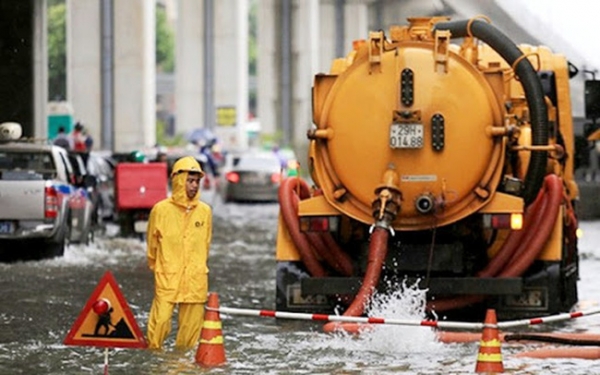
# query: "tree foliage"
252,55
165,42
252,39
57,56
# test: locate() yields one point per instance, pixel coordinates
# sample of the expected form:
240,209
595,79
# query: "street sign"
226,116
106,320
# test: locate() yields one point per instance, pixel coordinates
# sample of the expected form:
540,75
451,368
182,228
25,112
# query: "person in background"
282,159
161,155
88,140
78,138
179,238
136,157
205,148
62,139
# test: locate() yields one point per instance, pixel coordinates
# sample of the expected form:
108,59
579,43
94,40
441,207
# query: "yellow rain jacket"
179,235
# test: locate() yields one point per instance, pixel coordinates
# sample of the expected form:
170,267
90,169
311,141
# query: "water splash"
388,346
404,302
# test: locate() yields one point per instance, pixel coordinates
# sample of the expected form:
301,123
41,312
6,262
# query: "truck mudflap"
289,296
549,290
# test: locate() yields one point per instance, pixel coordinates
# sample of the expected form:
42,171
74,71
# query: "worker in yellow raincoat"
179,237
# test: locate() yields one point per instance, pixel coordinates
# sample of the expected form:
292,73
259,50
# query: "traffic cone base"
489,358
211,351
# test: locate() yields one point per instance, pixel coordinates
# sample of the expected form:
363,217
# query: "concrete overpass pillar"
134,75
357,23
231,72
268,57
84,88
305,57
39,71
327,36
189,71
228,70
303,64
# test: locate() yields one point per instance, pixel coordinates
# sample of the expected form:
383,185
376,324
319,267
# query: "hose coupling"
383,225
386,205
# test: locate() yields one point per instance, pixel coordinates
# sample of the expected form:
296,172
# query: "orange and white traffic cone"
211,351
489,359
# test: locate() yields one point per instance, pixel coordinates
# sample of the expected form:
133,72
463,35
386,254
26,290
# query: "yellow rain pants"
190,320
179,236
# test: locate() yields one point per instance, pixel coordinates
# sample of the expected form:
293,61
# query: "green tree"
252,33
57,56
165,42
164,140
252,55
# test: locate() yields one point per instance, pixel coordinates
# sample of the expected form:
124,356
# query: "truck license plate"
7,227
406,136
253,179
530,298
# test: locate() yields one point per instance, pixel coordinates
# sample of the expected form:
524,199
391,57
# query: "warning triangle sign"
106,320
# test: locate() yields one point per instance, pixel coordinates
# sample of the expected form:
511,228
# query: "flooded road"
40,301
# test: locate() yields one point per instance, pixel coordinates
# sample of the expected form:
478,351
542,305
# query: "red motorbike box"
140,185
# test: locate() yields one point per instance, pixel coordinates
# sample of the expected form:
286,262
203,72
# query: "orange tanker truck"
441,155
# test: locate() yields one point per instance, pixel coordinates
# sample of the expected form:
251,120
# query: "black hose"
531,85
551,339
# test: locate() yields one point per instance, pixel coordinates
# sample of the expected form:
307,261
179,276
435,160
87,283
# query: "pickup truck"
42,207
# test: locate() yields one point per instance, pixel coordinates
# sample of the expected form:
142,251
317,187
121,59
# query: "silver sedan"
251,177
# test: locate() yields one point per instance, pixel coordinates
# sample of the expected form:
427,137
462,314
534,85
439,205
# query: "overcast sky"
567,25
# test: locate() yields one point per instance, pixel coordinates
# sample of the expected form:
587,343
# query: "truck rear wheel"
55,249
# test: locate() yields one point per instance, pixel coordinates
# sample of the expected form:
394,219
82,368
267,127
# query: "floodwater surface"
40,301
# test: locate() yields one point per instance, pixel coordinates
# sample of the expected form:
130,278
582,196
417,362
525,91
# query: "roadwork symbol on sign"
106,320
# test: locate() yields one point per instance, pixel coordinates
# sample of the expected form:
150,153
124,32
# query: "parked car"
40,201
102,166
252,176
83,221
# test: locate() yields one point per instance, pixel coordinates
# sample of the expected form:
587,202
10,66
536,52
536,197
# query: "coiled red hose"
523,257
290,216
290,192
515,237
522,253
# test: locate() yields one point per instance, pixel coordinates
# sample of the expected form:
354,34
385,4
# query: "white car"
252,176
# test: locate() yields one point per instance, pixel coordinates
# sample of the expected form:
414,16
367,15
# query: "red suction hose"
522,254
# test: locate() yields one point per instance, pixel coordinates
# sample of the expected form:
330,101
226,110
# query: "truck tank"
442,155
